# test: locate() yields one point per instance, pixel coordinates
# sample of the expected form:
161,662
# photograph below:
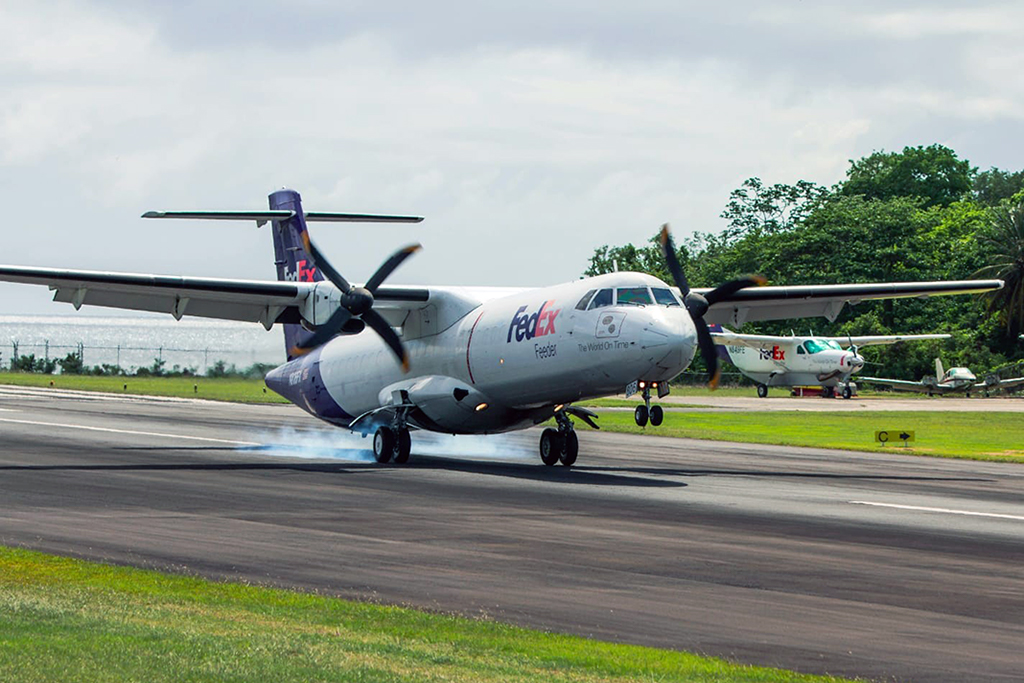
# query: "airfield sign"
885,436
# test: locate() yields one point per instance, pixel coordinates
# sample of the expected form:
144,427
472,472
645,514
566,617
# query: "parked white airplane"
464,360
797,361
949,381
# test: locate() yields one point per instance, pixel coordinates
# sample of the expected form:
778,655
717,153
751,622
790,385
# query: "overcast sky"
527,133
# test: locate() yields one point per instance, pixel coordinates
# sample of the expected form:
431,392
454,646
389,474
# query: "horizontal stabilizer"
264,216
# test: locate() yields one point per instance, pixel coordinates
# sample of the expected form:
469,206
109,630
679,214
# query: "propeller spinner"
697,305
356,303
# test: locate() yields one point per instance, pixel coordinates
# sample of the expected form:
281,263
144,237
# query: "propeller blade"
708,352
325,266
389,266
375,320
669,250
324,333
724,291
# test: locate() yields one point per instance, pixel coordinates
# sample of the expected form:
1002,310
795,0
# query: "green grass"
973,435
68,620
216,389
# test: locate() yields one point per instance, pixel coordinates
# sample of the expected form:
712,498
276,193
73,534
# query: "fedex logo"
302,274
539,324
774,353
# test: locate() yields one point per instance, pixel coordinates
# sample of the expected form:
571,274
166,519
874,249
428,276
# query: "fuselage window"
601,299
582,305
664,297
800,350
634,296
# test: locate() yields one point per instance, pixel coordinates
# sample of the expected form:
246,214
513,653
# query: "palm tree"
1005,247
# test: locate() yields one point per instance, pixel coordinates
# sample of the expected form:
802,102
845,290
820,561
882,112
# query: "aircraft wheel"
847,392
383,444
550,446
762,390
570,448
657,415
967,394
640,416
403,446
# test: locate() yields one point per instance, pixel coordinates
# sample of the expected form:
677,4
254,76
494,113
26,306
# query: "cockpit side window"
664,297
582,305
800,350
634,296
814,346
601,299
832,344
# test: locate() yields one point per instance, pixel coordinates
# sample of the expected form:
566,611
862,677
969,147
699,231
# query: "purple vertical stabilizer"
723,351
293,262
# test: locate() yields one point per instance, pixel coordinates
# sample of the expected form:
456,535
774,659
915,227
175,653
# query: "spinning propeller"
698,304
356,303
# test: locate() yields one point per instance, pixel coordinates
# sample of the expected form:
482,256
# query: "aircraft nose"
669,341
855,362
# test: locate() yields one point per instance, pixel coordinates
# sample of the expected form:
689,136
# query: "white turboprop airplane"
796,361
463,360
949,381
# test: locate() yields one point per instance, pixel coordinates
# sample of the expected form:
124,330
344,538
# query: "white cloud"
525,150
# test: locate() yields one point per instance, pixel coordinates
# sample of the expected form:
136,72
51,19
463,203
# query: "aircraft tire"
640,416
762,391
657,415
570,449
550,446
847,393
383,444
403,446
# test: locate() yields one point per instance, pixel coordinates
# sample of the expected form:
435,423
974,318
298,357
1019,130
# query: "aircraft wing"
874,340
266,302
1000,383
810,301
754,341
902,384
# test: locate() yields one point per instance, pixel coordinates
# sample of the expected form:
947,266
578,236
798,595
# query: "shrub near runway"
972,435
68,620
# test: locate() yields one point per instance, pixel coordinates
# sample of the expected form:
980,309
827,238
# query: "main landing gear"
560,445
392,442
648,412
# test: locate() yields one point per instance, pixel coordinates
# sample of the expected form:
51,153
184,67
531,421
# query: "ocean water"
134,342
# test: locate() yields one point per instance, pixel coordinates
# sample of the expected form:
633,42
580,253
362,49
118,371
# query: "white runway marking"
942,510
128,431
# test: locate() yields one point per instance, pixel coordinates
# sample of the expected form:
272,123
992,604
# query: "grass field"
216,389
68,620
977,436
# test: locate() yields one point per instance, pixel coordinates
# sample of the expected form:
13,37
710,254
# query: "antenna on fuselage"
615,265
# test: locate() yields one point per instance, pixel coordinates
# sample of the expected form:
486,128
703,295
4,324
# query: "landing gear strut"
393,442
560,445
648,412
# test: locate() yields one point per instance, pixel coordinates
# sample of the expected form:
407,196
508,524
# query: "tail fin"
939,372
290,256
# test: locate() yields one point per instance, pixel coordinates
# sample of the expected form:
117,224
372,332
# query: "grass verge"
235,389
975,436
64,619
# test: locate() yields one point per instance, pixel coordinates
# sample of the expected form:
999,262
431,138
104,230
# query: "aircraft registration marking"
947,511
128,431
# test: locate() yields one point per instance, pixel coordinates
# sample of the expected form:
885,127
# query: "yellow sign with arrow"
894,435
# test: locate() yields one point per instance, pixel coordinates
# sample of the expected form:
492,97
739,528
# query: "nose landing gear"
648,412
560,445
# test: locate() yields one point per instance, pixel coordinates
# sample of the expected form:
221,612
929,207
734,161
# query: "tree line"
919,214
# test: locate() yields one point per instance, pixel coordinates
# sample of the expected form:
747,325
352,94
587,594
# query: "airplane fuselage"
507,363
795,363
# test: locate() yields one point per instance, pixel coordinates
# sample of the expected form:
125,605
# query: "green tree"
71,364
774,208
1004,248
994,185
933,173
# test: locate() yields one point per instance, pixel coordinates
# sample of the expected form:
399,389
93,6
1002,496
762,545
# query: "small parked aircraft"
949,381
797,361
462,360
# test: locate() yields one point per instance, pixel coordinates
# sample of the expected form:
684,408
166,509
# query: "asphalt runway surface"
873,565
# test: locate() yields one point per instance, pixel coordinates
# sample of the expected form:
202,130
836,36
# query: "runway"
856,564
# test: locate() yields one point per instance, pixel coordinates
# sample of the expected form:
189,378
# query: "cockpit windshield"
634,296
832,344
601,299
664,297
